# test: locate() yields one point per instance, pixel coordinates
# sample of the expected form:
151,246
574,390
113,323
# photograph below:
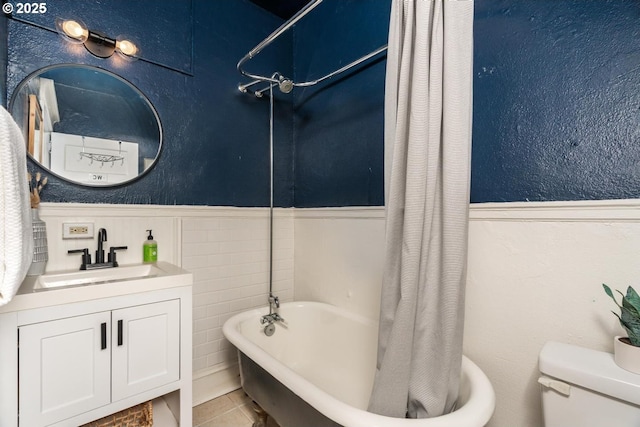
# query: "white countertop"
28,298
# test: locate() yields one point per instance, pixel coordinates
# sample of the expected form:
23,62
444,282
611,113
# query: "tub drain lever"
270,320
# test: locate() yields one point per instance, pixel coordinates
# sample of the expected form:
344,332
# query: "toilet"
585,388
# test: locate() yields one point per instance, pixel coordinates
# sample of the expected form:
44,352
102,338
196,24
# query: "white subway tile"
205,274
217,309
199,338
216,358
193,236
281,285
199,364
199,313
195,261
214,334
282,274
205,349
205,298
220,259
241,304
200,224
194,249
260,300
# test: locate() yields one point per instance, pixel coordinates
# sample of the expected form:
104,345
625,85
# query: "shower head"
285,84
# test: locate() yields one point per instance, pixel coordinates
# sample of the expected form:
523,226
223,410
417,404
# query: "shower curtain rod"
273,36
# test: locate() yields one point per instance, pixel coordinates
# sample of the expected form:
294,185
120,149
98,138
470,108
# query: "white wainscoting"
534,274
226,249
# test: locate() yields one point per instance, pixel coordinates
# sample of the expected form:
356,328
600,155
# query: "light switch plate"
77,230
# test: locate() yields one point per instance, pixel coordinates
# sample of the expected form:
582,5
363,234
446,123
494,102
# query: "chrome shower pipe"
286,84
271,37
279,79
243,87
343,69
260,93
271,143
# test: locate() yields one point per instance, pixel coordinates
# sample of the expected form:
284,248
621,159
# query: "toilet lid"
591,369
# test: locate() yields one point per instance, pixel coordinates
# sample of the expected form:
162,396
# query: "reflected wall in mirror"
35,135
87,125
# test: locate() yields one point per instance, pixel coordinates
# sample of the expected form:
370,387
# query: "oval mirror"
87,125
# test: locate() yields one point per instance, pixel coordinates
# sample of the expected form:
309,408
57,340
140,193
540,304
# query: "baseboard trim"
215,384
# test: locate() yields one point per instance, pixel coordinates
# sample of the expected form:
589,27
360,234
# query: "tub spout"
271,318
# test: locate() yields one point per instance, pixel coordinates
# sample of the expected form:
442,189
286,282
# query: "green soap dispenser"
150,249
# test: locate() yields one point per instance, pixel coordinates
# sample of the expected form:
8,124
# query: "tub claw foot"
261,415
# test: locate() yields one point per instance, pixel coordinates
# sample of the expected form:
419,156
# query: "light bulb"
75,30
126,47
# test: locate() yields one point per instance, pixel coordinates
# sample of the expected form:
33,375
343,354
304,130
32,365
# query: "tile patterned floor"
234,409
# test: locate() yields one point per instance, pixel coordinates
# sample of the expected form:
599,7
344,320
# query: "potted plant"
627,349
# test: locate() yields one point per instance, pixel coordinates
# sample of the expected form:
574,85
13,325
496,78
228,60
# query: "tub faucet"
273,316
270,318
102,237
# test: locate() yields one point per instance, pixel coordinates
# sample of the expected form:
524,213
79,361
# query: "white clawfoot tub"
318,368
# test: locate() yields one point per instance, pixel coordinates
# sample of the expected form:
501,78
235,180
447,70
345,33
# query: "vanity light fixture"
96,43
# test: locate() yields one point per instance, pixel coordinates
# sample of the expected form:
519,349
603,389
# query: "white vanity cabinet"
71,356
64,368
74,365
145,345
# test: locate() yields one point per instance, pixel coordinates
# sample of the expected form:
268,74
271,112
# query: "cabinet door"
145,348
64,368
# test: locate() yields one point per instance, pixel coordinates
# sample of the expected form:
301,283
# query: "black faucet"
102,237
100,262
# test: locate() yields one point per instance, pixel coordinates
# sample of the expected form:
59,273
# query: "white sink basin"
99,276
65,287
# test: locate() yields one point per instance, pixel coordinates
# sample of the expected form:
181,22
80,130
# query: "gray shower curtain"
428,105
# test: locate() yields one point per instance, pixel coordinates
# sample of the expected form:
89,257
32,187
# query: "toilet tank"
585,388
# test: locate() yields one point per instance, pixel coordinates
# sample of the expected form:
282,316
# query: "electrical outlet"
77,230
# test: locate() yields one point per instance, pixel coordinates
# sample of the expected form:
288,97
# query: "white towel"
16,234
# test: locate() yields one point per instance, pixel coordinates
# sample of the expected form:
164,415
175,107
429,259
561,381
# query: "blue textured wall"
556,100
215,139
556,103
338,125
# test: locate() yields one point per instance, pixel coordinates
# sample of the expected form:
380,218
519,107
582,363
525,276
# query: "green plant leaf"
608,292
626,305
633,299
630,321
